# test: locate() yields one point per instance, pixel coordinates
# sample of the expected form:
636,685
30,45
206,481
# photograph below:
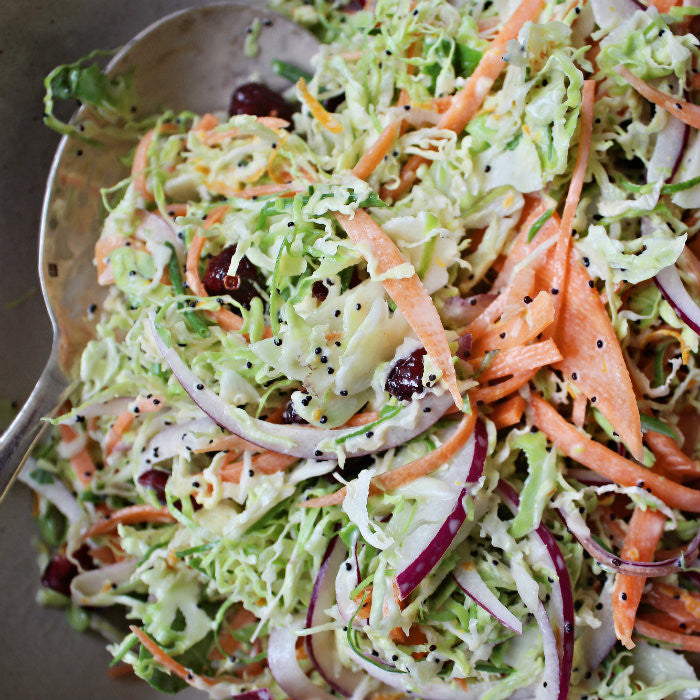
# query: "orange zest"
325,118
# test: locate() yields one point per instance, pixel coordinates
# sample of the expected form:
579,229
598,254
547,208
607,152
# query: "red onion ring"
285,669
474,455
578,528
671,286
261,694
294,440
563,588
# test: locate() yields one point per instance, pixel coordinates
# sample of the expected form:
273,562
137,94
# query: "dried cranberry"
58,574
406,376
332,103
291,416
319,291
258,99
240,286
155,479
354,6
82,556
354,465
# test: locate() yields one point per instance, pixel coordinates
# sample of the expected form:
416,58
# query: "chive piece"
539,224
650,423
487,667
289,71
680,186
193,321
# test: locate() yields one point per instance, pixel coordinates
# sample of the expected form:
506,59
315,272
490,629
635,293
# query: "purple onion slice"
564,598
321,646
295,440
285,669
473,585
669,282
466,468
261,694
578,528
461,311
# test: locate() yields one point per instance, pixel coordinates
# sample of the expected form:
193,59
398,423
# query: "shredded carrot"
600,459
521,287
671,333
140,162
578,413
120,670
508,412
371,159
129,516
683,605
231,443
560,264
522,328
466,103
671,458
642,539
413,470
264,463
687,112
489,394
408,293
167,661
679,641
668,621
82,463
126,418
520,359
206,122
325,118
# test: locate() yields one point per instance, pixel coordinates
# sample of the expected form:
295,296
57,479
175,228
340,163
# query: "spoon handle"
18,440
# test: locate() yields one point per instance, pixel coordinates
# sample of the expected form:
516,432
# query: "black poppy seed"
306,400
678,105
414,13
599,343
591,284
594,399
587,675
682,625
427,409
189,675
436,660
623,596
323,419
79,152
599,606
330,370
574,376
432,647
494,562
92,308
277,341
544,684
290,224
249,365
358,306
324,359
431,377
200,387
567,627
387,52
369,434
348,566
395,657
250,472
527,299
586,262
337,343
487,169
472,302
578,10
195,484
502,334
479,402
137,409
336,313
407,108
317,453
132,273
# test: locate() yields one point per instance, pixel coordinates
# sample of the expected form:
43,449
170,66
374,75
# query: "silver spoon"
192,59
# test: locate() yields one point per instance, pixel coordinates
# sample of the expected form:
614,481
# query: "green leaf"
289,71
42,476
650,423
539,224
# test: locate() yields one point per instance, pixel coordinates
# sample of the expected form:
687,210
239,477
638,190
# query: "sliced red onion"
464,346
346,582
563,596
262,694
285,669
434,544
578,528
295,440
595,644
461,311
155,228
170,441
668,151
669,282
321,646
473,585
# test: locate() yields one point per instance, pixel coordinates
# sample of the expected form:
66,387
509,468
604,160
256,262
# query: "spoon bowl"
193,60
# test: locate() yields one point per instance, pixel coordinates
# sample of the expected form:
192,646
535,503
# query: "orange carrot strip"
663,6
668,621
670,457
82,463
467,102
409,294
520,329
578,413
675,639
264,463
643,535
138,166
520,287
126,418
411,471
592,358
508,412
520,359
685,111
206,123
129,516
371,159
600,459
232,443
167,661
227,641
326,119
560,264
678,602
489,394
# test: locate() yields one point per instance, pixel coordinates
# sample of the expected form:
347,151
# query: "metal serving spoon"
192,59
